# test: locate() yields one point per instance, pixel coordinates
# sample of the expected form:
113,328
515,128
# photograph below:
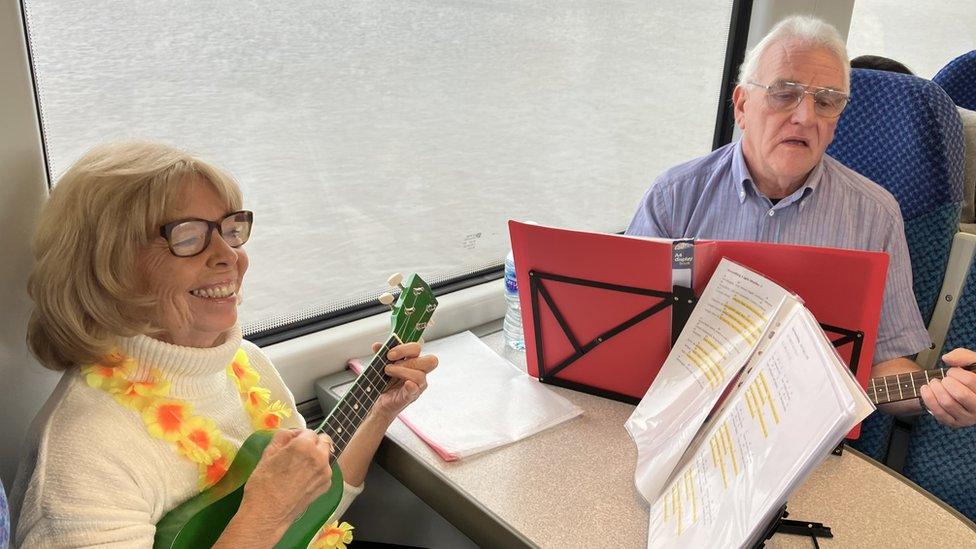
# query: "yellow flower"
109,372
241,373
102,377
256,400
165,418
271,416
211,473
333,536
198,440
139,394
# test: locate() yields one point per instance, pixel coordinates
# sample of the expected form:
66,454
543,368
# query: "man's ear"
739,105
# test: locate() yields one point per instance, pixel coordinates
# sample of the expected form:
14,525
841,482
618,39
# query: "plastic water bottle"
512,327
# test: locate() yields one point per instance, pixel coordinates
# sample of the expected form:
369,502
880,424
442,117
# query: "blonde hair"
109,205
802,29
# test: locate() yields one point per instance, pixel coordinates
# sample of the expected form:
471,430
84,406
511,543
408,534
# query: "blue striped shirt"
714,197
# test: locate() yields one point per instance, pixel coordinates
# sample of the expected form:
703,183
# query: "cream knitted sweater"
91,475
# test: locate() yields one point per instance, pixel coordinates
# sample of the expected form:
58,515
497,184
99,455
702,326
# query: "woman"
136,286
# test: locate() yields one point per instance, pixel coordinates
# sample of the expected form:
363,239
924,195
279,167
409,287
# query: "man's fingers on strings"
940,415
963,407
926,400
965,377
961,393
959,357
941,404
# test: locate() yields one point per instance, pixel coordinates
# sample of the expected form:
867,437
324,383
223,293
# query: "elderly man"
776,185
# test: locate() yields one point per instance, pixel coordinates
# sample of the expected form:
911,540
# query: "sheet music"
477,400
793,403
729,320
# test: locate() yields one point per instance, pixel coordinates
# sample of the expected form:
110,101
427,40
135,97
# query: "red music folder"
597,308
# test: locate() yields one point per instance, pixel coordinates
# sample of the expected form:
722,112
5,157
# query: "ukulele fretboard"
904,386
346,417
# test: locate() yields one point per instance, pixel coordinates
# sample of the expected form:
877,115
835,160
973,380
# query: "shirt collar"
744,183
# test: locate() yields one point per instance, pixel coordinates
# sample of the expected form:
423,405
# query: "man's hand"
952,400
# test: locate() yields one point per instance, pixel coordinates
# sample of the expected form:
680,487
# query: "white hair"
802,30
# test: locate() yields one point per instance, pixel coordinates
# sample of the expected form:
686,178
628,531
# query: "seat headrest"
902,132
958,79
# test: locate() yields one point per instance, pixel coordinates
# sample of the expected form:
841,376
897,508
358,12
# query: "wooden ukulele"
904,386
201,520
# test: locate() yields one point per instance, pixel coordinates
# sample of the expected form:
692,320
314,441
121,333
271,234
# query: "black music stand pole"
780,524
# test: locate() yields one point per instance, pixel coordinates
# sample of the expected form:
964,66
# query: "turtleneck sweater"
91,474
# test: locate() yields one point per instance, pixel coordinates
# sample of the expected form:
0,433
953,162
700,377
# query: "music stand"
681,299
602,310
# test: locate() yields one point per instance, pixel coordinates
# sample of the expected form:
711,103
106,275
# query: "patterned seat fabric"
903,132
940,459
4,520
958,79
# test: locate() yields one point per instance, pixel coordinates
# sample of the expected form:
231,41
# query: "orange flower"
164,418
241,373
333,536
211,473
256,399
102,377
139,394
109,372
198,440
271,416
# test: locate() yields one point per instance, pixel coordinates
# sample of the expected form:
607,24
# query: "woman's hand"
292,472
409,372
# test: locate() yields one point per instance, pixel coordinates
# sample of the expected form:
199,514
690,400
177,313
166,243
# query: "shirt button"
771,213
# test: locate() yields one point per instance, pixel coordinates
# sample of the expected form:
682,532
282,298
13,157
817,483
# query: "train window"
380,136
923,43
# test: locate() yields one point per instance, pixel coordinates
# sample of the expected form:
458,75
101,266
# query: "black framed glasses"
786,96
189,237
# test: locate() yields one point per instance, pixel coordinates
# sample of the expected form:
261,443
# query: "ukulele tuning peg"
395,280
386,298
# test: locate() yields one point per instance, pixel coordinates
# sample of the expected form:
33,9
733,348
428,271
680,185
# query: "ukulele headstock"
413,307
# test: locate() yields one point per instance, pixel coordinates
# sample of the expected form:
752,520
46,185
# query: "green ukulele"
201,520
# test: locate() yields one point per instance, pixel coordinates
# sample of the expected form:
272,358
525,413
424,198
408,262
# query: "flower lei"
196,438
333,536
